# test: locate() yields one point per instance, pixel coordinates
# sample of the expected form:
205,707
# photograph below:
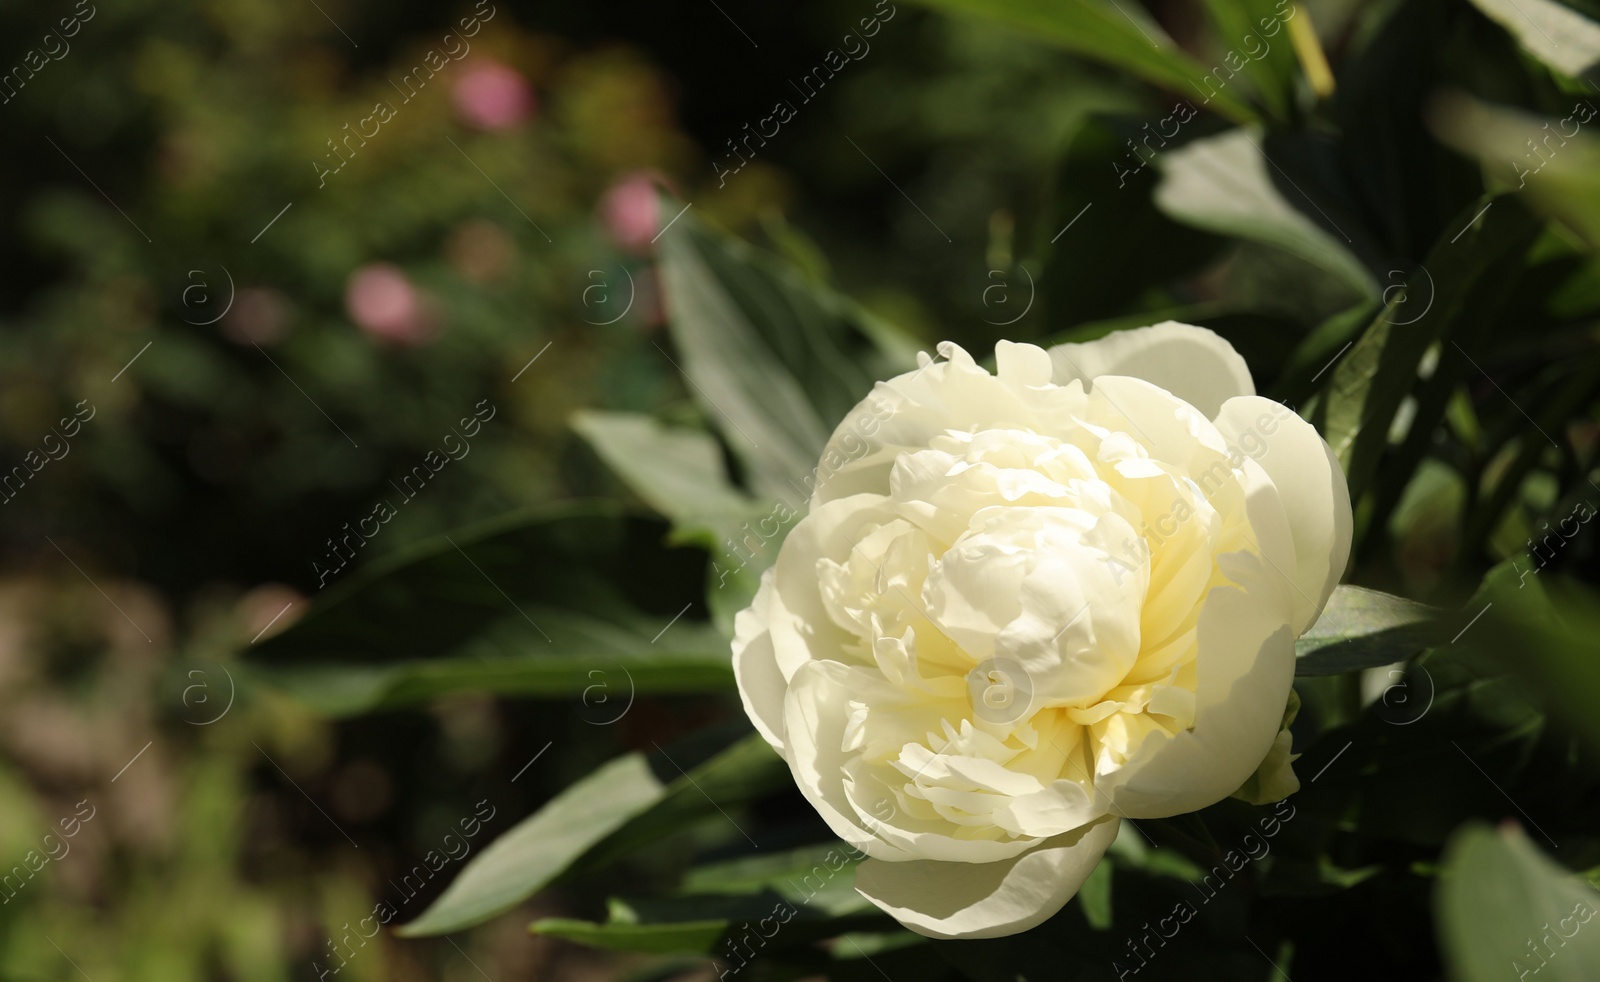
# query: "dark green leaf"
533,604
1122,35
1096,242
679,472
1363,628
1227,184
1366,384
1273,71
675,470
755,924
624,805
518,864
1543,627
684,937
774,361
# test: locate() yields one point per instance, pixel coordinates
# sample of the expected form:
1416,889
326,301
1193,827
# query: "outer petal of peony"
1246,668
755,666
815,718
987,900
1190,362
1311,486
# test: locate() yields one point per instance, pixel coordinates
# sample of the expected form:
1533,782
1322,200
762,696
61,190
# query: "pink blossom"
384,303
631,210
493,96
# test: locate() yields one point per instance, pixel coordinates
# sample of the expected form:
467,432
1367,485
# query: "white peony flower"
1047,599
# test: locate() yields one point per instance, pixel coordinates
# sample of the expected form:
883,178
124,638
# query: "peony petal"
1192,363
908,411
1311,486
850,793
801,627
816,716
755,666
1161,424
987,900
1245,669
1022,364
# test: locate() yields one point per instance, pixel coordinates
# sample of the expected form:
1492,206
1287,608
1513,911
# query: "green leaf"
749,329
679,472
742,772
1122,35
1363,628
550,602
1317,350
1272,74
1543,627
1366,384
522,861
675,470
1536,24
1550,162
821,877
684,937
693,924
625,804
1503,910
1227,184
1094,897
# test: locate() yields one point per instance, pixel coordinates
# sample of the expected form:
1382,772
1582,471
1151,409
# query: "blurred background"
249,379
260,266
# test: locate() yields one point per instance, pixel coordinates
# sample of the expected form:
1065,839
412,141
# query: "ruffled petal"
908,411
802,629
